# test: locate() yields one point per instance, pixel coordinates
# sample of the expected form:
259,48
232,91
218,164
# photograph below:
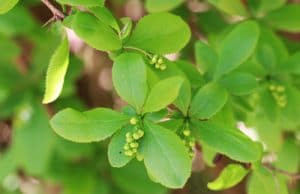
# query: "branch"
57,14
292,175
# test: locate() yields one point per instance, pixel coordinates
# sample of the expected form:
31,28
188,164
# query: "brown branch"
273,168
57,14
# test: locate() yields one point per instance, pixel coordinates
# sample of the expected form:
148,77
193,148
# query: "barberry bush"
207,94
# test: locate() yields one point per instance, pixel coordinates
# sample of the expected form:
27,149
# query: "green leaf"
160,33
237,47
228,141
105,16
116,156
264,181
172,124
7,163
285,18
18,21
6,5
206,57
266,5
89,126
208,101
239,83
289,156
208,154
291,64
56,72
130,79
191,72
70,151
159,6
126,28
87,3
288,114
95,32
33,138
271,50
165,156
226,114
183,100
232,7
163,93
229,177
11,50
133,179
157,116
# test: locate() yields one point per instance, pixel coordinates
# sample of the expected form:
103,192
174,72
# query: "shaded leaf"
233,7
133,179
228,141
208,101
206,57
87,3
6,5
159,6
285,18
239,83
263,181
288,157
183,99
237,46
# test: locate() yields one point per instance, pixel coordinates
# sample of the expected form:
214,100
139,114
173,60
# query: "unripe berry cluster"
158,62
278,93
132,139
189,141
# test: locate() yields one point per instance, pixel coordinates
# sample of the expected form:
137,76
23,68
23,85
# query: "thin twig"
139,50
49,21
292,175
57,14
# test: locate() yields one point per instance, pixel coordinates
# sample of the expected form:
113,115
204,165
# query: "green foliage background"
198,96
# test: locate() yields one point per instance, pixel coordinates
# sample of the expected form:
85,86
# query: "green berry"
134,145
126,147
192,154
133,121
282,104
136,136
153,60
129,139
272,87
129,153
192,144
134,150
186,132
160,61
282,98
140,133
276,95
157,66
128,134
163,67
280,88
139,157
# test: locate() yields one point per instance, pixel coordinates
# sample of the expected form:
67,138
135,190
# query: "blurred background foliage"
34,160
